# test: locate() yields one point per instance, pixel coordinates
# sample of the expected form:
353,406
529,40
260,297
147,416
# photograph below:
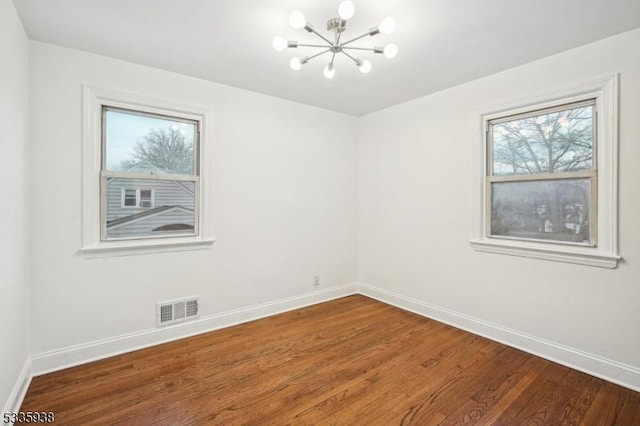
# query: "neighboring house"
146,207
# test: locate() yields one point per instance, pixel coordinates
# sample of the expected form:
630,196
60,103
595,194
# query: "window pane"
145,198
173,212
130,197
150,144
557,210
560,141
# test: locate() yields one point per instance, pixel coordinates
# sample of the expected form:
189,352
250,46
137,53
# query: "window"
158,154
129,198
140,198
145,197
541,175
547,167
142,174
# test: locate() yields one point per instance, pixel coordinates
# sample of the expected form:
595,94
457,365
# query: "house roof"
140,216
144,166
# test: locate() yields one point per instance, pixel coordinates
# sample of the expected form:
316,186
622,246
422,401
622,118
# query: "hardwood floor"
346,362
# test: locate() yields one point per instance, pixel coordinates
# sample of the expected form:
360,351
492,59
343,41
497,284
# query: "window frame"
93,243
123,198
604,251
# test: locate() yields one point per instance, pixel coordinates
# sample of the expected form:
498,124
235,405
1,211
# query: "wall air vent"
174,311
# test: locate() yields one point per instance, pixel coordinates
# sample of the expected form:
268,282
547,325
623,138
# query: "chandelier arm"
370,33
352,58
308,58
310,29
312,45
368,49
333,58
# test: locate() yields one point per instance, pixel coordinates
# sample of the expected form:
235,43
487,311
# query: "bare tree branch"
166,150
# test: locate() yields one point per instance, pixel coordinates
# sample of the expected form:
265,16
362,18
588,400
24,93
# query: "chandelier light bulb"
346,10
279,43
365,66
390,50
388,25
297,21
295,64
329,71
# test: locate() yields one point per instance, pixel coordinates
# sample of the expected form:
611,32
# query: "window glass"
173,211
149,144
558,210
550,142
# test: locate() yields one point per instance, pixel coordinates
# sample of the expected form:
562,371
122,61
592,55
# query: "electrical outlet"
316,280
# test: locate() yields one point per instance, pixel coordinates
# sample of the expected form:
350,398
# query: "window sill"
131,248
578,255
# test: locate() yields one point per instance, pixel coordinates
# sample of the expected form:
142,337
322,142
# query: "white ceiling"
441,43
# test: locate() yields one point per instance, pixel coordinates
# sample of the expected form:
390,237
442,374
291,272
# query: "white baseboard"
606,369
75,355
19,391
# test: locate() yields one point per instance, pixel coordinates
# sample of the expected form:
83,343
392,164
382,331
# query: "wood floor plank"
527,407
492,385
626,405
350,361
523,379
579,396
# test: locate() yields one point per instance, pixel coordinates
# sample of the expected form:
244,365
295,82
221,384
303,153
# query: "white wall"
414,185
14,285
283,206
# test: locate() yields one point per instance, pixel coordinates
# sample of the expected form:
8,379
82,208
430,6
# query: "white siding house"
147,207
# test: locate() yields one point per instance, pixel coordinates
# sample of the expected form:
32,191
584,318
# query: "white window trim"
94,98
605,254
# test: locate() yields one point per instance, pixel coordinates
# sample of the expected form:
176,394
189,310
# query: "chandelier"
336,27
